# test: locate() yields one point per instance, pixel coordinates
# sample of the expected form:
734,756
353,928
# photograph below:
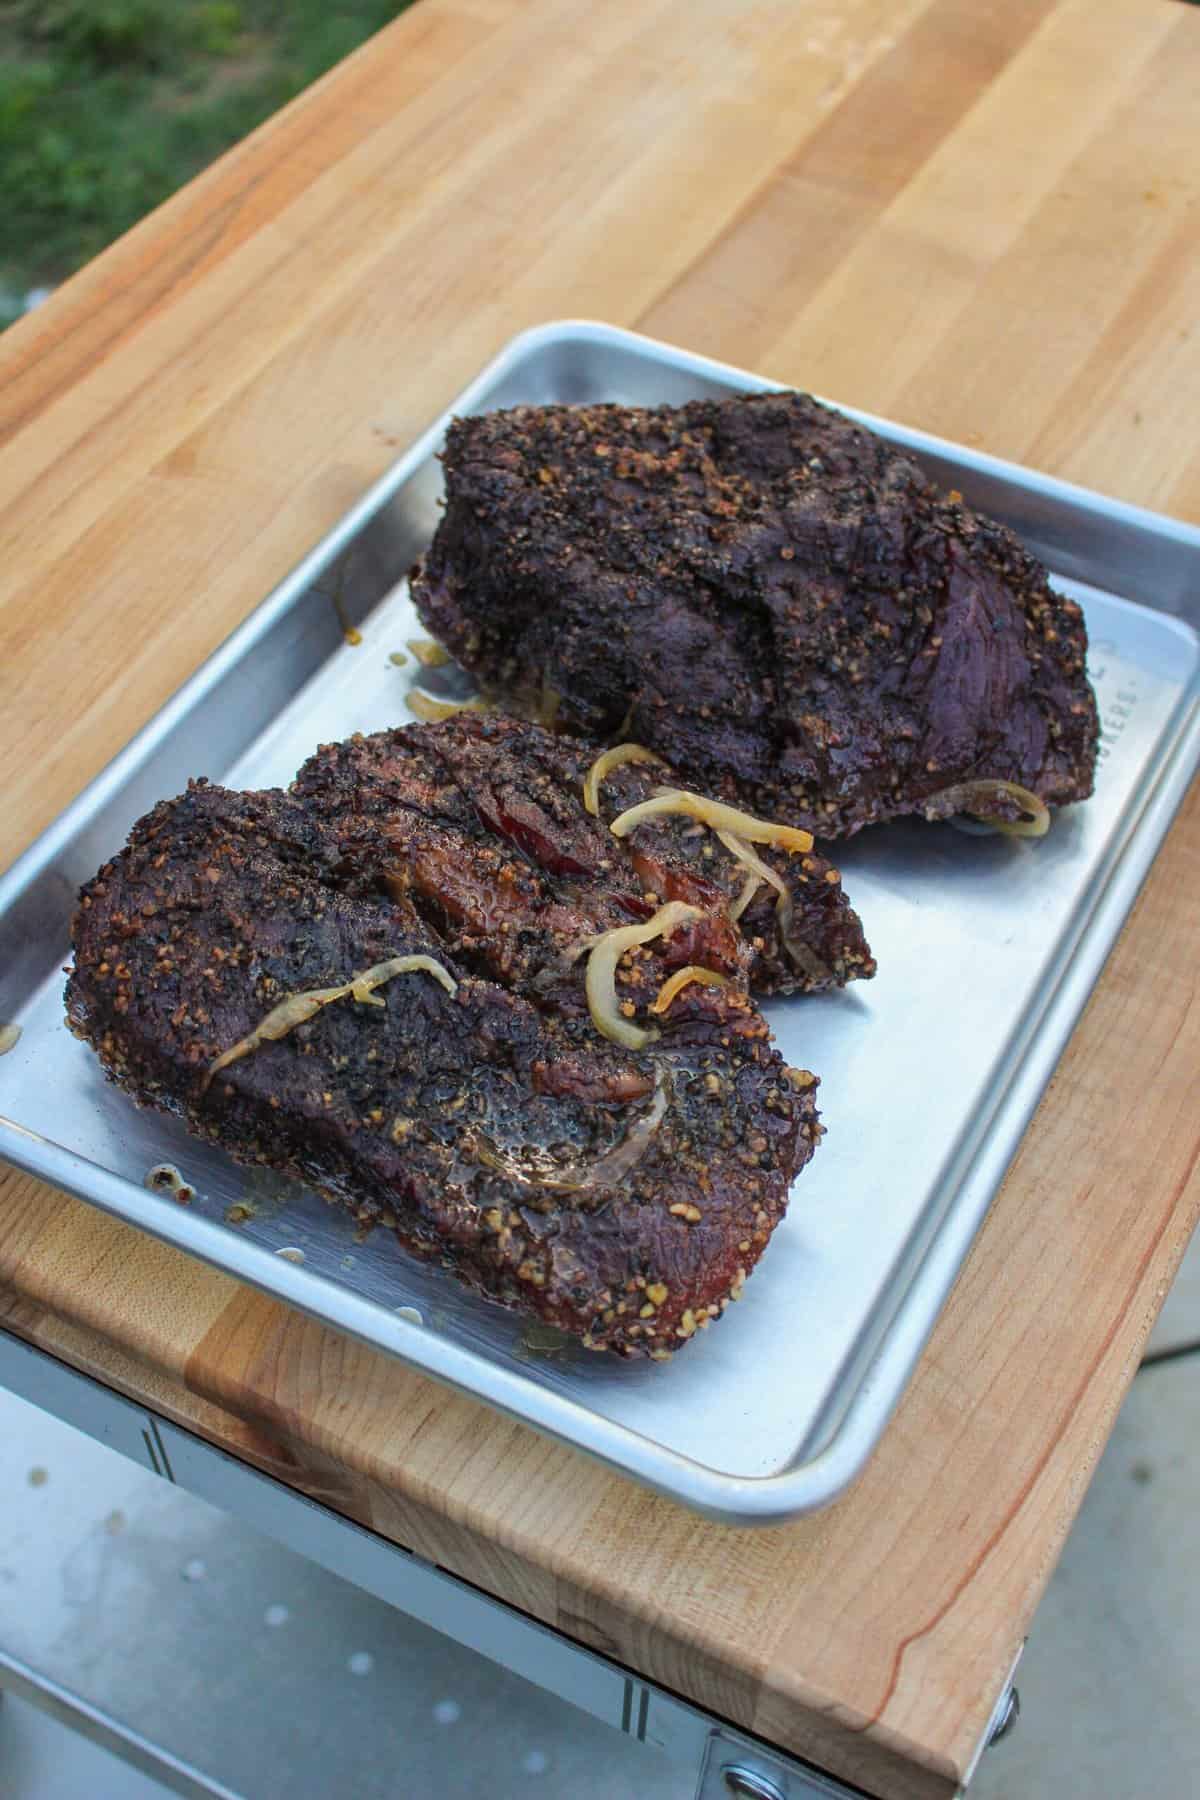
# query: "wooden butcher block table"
980,219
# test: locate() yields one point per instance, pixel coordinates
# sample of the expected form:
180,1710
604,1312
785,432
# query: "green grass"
108,106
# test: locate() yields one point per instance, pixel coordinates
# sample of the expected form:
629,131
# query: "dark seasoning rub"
620,1194
763,594
483,823
769,595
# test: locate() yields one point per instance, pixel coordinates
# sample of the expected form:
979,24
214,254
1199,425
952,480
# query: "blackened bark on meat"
767,594
481,821
621,1196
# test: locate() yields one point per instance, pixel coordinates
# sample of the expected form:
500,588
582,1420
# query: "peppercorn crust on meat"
379,982
487,823
771,597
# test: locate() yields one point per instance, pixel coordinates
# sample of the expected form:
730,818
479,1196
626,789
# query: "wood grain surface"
977,216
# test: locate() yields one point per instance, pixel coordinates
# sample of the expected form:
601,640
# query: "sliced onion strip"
297,1009
364,985
750,887
601,978
965,797
429,653
605,764
605,1172
675,983
716,814
434,711
761,871
806,960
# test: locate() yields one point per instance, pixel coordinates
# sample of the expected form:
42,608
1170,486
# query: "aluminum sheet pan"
987,947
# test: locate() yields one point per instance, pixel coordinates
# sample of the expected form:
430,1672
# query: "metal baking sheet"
987,947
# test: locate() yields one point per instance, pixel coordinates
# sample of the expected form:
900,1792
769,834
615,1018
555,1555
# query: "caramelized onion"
605,1172
297,1009
428,652
601,978
716,814
750,887
806,960
434,711
749,859
605,764
966,797
675,983
363,986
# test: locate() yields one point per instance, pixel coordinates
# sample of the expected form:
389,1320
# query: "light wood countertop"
980,219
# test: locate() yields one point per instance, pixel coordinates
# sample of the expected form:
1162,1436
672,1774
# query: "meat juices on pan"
620,1194
770,596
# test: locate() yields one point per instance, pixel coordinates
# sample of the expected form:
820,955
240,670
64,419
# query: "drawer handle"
1008,1714
748,1784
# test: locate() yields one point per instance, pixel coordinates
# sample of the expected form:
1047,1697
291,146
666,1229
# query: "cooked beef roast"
770,596
245,962
485,823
